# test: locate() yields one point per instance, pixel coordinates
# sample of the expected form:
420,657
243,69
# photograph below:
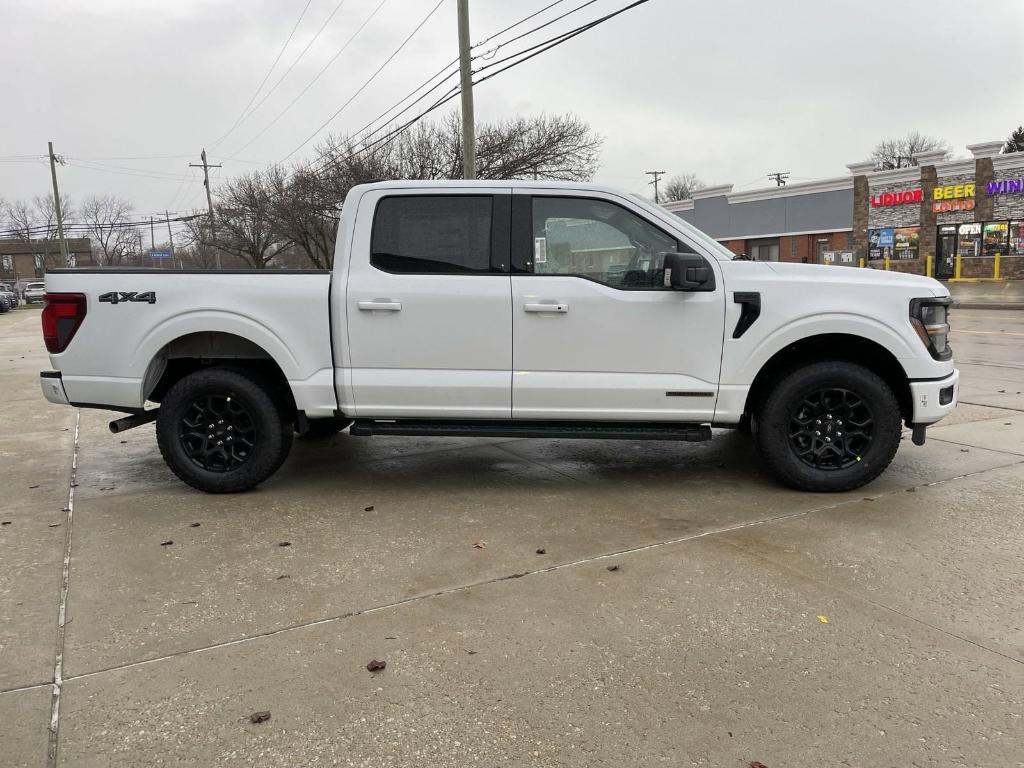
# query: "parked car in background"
34,293
8,297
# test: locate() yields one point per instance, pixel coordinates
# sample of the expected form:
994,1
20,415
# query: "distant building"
26,261
910,219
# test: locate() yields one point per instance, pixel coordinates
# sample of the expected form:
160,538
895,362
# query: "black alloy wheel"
218,432
223,430
831,428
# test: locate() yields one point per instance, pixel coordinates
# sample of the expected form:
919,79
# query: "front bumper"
53,387
932,400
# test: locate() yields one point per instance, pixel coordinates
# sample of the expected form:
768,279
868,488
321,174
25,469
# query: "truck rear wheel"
221,431
830,426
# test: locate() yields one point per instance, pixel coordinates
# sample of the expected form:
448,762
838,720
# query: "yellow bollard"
995,268
928,267
958,268
886,263
862,262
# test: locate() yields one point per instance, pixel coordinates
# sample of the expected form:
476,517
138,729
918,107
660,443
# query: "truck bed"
133,314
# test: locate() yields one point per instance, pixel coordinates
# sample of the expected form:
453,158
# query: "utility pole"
170,237
779,177
657,176
466,80
56,201
152,236
209,199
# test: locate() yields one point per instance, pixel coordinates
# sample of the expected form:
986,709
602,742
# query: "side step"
596,430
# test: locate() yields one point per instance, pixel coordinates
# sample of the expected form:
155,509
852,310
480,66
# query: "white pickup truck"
512,309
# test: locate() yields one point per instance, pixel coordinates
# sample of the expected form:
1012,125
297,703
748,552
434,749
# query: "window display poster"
905,242
880,243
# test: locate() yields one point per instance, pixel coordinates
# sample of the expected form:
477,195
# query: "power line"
516,24
291,66
310,84
541,26
546,45
368,81
166,177
266,76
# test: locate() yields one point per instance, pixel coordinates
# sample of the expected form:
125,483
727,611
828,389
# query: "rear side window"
432,234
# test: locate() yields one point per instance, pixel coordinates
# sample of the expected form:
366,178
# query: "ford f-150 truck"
513,309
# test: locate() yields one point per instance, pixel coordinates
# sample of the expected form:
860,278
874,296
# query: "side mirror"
688,272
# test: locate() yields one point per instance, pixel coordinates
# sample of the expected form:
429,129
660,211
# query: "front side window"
598,240
432,234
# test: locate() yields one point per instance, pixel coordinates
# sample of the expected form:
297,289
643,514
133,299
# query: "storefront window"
1016,246
905,241
994,238
969,240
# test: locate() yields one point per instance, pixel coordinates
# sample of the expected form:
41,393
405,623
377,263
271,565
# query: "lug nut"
828,439
839,434
817,434
220,442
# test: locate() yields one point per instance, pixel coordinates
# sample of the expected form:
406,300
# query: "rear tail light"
63,313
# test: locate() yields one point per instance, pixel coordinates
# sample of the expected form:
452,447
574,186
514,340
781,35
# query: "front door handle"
552,307
387,306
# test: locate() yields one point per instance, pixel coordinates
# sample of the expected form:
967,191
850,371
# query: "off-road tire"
775,419
318,429
272,433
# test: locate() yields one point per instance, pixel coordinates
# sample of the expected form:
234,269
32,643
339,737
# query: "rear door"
429,305
596,335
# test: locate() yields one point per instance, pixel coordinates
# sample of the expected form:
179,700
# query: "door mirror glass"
688,272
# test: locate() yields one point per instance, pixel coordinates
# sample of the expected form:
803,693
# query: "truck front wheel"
221,431
830,426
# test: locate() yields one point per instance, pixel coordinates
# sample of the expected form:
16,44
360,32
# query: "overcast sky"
728,89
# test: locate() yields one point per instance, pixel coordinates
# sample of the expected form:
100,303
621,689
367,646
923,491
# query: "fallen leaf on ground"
542,551
166,543
368,509
54,525
283,576
613,567
471,653
259,717
965,450
6,522
194,525
123,442
823,618
376,666
480,545
284,544
757,764
33,487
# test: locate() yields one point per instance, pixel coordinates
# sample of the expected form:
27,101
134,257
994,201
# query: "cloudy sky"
131,90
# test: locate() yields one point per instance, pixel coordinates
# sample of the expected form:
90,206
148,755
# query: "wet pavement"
685,611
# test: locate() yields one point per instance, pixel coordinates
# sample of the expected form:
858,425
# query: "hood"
836,274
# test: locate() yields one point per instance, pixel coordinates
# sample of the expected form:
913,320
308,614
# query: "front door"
945,253
428,307
596,335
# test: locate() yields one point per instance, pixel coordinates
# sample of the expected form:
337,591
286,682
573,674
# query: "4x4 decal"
116,297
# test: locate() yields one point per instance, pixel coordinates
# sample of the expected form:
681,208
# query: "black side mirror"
688,272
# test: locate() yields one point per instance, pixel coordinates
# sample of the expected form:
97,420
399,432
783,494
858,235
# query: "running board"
616,430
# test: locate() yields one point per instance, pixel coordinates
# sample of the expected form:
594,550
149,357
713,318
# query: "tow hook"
917,434
133,421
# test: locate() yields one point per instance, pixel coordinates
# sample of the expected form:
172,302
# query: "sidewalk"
1002,295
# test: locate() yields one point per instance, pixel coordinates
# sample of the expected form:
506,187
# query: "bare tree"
245,227
106,218
889,154
46,213
304,214
681,186
19,219
1015,143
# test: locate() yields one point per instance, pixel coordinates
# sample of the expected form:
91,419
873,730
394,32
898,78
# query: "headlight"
930,319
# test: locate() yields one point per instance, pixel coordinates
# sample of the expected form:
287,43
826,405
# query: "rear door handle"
559,307
380,304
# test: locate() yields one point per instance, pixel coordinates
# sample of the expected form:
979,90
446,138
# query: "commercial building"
24,261
948,218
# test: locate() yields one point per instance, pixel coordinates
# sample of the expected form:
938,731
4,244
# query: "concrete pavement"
744,621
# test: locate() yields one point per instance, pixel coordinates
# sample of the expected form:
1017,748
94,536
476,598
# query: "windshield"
691,231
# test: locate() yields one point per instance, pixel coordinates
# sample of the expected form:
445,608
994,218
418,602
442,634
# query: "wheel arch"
199,350
832,346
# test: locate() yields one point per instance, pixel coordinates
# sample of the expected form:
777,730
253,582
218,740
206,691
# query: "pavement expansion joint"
58,664
533,572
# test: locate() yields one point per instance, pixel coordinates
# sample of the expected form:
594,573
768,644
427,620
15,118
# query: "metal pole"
466,79
56,203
